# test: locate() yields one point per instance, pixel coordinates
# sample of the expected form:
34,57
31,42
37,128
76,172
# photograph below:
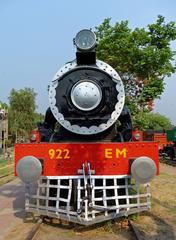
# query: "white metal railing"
87,200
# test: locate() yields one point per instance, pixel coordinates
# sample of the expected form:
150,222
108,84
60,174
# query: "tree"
3,105
22,111
39,117
142,57
153,121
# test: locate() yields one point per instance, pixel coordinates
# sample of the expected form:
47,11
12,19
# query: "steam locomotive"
166,140
82,165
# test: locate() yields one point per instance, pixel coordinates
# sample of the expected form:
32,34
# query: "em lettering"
115,153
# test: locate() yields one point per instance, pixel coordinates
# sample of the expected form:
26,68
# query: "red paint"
94,153
37,134
140,133
161,138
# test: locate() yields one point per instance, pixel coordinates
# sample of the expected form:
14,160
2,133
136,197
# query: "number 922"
59,153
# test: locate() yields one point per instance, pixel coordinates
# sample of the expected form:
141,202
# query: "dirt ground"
106,231
159,224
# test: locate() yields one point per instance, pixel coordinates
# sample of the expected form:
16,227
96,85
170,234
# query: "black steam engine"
82,168
87,99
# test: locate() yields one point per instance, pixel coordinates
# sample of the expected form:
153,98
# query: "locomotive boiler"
85,168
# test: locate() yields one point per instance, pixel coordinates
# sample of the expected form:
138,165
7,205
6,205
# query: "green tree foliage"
22,113
3,105
142,57
39,117
154,121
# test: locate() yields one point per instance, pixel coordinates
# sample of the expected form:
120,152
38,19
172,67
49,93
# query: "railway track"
7,175
6,178
33,233
168,161
6,166
135,231
6,171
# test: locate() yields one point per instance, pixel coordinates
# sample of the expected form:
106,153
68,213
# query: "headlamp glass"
85,40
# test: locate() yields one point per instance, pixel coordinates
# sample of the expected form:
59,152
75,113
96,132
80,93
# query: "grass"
108,226
7,179
4,162
6,170
6,167
134,216
163,200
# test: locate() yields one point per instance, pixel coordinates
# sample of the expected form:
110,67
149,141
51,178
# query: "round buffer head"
143,169
29,169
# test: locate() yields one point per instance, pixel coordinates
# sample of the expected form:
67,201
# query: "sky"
36,39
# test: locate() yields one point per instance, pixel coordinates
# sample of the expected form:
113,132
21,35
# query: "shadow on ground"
12,198
152,227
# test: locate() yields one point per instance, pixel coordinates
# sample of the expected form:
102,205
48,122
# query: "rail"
135,231
167,161
32,234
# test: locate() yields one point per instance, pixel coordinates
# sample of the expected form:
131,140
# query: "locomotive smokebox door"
86,95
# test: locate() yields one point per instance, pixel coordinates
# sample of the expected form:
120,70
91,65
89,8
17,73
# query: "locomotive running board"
111,197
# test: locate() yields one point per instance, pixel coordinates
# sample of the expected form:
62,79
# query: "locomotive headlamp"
85,40
143,169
